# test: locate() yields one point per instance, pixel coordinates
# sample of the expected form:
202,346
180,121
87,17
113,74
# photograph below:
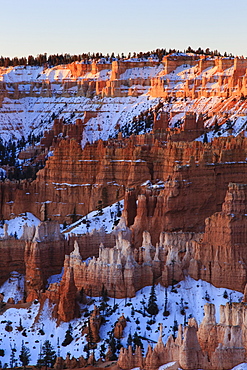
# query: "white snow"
15,225
20,74
96,220
13,287
2,173
141,72
115,112
55,278
242,366
163,367
55,74
35,114
103,75
192,292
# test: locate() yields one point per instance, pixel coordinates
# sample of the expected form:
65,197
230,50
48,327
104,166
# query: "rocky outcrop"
129,360
192,172
94,324
70,363
67,296
12,257
115,269
44,249
198,76
209,346
195,82
40,253
122,270
221,258
181,215
119,327
200,181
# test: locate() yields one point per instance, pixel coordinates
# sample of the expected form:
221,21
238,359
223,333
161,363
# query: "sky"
78,26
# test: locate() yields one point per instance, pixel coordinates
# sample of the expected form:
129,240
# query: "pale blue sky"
77,26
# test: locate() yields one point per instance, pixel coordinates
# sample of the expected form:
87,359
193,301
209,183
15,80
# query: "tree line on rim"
57,59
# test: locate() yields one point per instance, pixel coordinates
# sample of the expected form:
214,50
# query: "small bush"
166,313
225,295
8,327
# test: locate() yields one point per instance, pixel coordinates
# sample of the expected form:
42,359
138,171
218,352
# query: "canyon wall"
195,177
221,256
40,253
216,256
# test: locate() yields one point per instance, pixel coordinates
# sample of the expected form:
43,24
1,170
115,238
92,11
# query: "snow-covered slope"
190,295
27,115
104,218
45,94
15,225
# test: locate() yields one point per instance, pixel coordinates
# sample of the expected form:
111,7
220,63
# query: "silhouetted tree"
24,355
47,356
152,308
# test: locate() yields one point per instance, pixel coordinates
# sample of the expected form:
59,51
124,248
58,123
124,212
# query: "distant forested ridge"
57,59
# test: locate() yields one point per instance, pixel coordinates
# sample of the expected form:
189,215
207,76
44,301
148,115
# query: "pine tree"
68,336
102,350
24,355
74,216
12,362
205,138
166,312
152,305
137,341
89,335
225,295
182,309
104,299
47,356
174,328
129,340
112,344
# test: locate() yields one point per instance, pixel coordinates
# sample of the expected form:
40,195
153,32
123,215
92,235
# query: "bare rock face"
191,184
95,321
186,168
191,221
93,327
119,327
122,270
12,253
67,296
190,354
42,255
224,240
59,364
207,334
115,269
129,360
34,275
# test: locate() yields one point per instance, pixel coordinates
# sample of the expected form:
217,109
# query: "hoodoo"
123,211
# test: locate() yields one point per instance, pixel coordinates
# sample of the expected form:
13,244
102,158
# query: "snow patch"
15,226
